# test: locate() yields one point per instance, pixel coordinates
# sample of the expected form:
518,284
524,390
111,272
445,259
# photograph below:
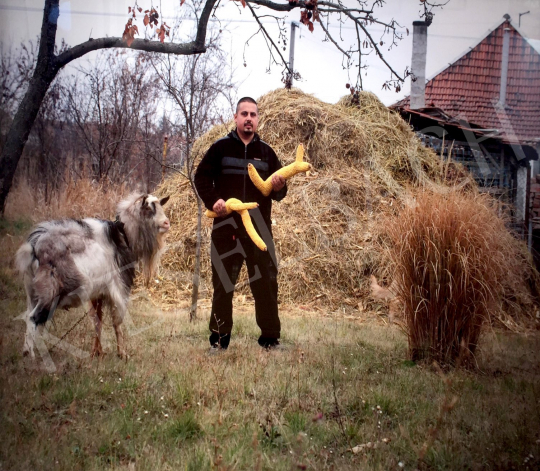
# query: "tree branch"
80,50
284,62
329,36
374,44
302,4
203,23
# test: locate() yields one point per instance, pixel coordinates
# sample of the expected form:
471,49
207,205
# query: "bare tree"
111,107
47,160
202,91
360,14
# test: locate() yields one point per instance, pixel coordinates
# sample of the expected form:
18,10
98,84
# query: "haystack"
365,158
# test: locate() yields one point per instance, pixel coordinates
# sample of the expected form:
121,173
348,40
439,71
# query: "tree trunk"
20,129
197,268
21,126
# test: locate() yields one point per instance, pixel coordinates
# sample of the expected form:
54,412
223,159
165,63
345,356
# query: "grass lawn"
340,395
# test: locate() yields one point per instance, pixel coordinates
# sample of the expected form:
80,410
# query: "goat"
70,262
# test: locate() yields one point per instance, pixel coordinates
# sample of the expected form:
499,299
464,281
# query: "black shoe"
220,341
268,342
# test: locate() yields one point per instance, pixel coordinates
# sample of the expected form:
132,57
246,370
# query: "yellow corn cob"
252,233
233,204
265,186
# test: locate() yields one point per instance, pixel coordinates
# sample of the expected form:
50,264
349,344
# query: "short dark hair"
246,99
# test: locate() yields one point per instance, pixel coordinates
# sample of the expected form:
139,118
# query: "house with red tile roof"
484,110
469,89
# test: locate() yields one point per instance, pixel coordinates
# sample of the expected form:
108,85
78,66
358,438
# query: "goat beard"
150,261
147,244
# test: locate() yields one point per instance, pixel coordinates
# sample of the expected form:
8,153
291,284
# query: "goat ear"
143,200
162,201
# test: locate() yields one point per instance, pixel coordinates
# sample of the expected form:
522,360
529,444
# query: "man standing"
222,174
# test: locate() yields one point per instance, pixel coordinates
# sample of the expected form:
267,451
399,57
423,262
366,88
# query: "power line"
122,15
118,15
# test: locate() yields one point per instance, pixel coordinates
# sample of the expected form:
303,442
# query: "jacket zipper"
245,158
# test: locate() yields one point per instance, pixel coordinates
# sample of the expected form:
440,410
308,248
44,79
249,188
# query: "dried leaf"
146,20
161,31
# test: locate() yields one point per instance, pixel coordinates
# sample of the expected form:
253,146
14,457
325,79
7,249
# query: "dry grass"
339,384
84,198
342,383
454,264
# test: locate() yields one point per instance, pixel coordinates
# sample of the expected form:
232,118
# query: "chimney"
418,65
504,66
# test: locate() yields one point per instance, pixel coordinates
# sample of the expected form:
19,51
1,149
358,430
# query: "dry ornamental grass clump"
454,264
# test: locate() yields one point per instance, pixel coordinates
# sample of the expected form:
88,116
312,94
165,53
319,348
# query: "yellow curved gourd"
265,186
233,204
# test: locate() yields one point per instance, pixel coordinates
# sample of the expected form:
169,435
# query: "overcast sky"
458,26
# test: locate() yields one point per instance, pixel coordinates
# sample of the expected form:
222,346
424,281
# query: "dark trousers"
227,256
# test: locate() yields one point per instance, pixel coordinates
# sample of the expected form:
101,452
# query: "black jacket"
222,174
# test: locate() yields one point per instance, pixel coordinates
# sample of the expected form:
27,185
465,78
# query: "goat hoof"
97,353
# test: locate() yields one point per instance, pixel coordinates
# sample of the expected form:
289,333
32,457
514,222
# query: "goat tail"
24,258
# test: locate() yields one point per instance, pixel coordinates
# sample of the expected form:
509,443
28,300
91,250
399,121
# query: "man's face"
247,118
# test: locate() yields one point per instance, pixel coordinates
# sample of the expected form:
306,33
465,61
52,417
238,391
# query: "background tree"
360,15
202,91
113,106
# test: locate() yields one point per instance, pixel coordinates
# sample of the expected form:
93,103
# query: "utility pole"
294,25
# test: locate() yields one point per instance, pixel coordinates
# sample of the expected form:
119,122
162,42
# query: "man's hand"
278,182
219,208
